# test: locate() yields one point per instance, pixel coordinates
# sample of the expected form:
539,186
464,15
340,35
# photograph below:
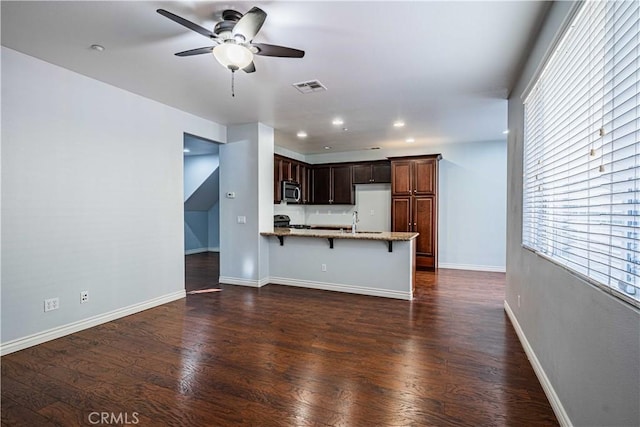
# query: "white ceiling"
445,68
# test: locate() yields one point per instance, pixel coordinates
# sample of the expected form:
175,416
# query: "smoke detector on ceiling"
310,86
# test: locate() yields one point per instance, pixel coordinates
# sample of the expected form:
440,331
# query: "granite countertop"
330,227
336,234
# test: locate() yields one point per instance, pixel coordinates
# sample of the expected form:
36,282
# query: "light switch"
242,219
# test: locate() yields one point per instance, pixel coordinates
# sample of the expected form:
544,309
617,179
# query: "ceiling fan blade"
190,25
198,51
249,25
251,68
281,51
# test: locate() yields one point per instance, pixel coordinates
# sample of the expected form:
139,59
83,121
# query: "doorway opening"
201,212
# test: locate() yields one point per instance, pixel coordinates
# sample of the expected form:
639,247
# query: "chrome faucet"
354,221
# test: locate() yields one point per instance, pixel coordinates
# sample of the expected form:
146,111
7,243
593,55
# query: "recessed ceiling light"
410,140
186,150
97,47
344,129
505,132
337,121
398,124
302,134
327,148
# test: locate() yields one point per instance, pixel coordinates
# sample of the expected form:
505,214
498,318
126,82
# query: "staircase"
201,202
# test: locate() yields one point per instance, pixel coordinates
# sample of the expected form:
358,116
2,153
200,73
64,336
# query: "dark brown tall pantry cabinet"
414,203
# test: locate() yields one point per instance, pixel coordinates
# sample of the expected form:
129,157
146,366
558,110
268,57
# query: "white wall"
472,206
196,170
472,200
264,185
289,153
91,197
201,191
355,266
585,342
196,223
196,231
246,168
213,228
373,202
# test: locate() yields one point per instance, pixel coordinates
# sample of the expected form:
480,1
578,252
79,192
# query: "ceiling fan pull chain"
233,89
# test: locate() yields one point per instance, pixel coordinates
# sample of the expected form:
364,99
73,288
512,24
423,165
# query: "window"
581,187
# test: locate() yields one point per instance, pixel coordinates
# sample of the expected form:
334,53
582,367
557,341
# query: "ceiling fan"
233,39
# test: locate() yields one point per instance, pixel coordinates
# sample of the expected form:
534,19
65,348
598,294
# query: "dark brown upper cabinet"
304,178
413,177
327,184
372,172
286,169
332,185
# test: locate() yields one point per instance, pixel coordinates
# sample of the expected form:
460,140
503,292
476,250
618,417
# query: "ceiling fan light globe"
233,56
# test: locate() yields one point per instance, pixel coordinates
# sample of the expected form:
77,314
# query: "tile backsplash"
329,214
295,212
373,203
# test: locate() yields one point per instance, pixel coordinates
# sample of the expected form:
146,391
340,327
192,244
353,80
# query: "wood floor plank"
286,356
15,414
63,414
24,395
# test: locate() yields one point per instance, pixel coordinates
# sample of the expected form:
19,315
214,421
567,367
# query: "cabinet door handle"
414,224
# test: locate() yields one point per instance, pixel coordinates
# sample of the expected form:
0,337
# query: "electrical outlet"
323,267
518,301
51,304
372,212
84,297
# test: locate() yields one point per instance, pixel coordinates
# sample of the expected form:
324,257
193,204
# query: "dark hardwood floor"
201,270
283,356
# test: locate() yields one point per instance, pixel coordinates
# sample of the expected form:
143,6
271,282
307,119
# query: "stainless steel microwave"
290,192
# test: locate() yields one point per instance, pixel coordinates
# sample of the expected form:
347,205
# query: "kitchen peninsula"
368,263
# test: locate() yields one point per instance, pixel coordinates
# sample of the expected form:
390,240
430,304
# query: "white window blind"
581,187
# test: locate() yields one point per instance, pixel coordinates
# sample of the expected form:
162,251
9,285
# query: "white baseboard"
554,400
195,251
200,250
316,285
341,288
473,267
60,331
243,282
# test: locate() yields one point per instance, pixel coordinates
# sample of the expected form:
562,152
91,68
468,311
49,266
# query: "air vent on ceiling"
310,86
